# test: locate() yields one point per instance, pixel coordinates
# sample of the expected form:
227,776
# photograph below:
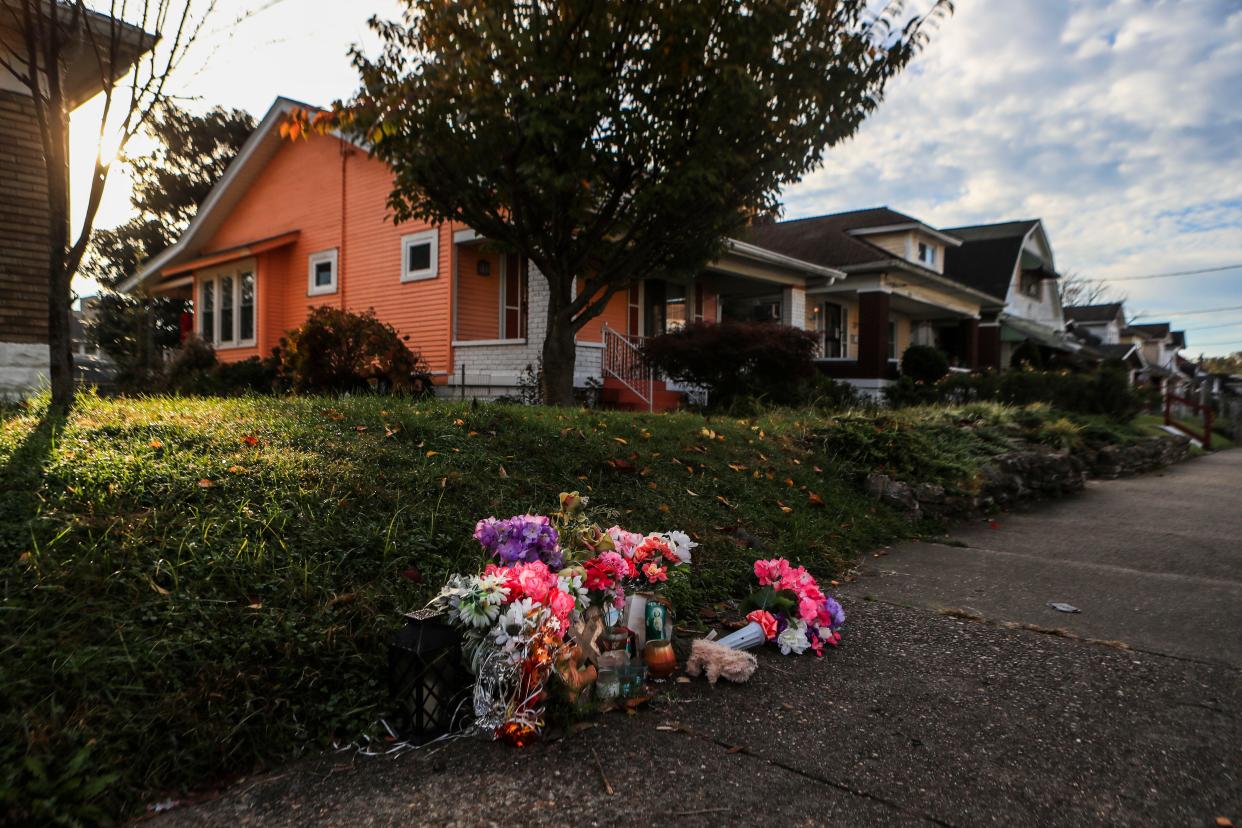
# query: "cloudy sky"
1118,122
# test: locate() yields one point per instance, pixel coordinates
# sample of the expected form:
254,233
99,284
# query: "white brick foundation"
23,369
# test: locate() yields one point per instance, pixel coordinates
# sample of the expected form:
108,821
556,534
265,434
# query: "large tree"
609,140
190,155
130,50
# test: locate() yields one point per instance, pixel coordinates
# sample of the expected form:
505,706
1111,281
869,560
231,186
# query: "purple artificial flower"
835,611
521,539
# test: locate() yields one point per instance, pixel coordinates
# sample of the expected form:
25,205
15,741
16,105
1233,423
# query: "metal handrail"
624,361
1204,411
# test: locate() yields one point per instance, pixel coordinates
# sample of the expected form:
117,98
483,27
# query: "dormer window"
927,254
1030,284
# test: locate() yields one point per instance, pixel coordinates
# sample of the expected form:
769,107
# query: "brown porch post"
990,347
969,335
873,318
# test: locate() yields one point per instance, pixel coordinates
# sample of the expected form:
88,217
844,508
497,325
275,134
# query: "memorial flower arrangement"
520,618
791,609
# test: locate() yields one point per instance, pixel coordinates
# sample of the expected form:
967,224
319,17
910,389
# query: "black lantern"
427,680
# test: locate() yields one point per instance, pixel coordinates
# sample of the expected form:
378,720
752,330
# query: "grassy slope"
197,604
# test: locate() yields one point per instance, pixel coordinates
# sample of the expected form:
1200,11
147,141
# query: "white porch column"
793,306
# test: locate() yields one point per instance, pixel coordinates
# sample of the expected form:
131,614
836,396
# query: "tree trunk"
59,340
556,384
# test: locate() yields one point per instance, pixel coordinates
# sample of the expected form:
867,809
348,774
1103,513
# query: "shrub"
923,363
136,332
194,369
828,394
735,360
338,351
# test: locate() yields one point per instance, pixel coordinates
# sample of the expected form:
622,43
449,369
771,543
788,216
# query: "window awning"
234,253
1016,329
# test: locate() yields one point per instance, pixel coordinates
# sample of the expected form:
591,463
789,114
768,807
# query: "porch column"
990,346
873,318
793,306
969,335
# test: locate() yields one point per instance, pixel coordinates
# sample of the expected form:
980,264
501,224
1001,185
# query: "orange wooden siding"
478,296
337,198
615,315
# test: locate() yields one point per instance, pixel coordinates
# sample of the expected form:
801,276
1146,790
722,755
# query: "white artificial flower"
512,624
793,639
681,544
475,613
572,585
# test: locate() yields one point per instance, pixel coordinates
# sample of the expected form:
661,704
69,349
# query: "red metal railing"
624,361
1204,411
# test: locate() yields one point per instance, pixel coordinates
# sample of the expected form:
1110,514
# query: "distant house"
25,254
896,293
1013,261
1150,350
296,224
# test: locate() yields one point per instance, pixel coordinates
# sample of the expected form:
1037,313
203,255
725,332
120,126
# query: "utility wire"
1213,327
1187,313
1167,275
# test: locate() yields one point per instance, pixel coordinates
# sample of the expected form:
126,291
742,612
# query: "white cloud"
1119,122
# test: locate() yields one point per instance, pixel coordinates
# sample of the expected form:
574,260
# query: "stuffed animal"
717,660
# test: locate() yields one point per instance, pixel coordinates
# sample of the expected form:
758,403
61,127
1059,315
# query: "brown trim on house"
874,314
969,339
989,347
232,254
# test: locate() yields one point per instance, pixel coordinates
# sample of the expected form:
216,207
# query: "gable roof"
259,148
838,240
1154,330
988,254
1093,313
1179,339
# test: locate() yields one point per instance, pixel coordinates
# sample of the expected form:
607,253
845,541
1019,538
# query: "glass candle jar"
660,658
608,685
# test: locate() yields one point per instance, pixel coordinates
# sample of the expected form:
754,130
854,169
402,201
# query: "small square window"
322,275
927,254
419,259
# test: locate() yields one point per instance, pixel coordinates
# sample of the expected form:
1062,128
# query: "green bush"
923,363
337,351
194,369
735,361
1105,391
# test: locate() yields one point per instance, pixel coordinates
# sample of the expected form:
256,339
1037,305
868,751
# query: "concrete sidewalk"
1153,561
922,718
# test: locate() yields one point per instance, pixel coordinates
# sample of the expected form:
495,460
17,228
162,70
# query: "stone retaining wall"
1027,474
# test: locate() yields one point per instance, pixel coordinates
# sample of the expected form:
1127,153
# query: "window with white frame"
927,254
420,255
321,273
513,299
226,306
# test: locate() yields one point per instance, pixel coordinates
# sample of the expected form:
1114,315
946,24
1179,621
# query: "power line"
1191,345
1213,327
1167,275
1188,312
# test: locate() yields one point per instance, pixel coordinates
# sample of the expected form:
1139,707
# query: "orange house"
296,224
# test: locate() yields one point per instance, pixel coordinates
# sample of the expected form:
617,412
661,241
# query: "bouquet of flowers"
790,609
517,617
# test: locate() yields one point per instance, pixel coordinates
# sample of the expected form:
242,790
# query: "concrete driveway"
1153,561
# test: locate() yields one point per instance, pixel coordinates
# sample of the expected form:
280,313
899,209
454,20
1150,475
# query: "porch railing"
1175,406
624,362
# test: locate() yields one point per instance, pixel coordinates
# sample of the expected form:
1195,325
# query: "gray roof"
1093,313
988,255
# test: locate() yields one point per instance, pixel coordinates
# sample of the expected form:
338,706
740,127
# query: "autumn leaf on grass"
815,499
459,422
432,453
391,433
664,507
725,502
156,444
621,464
206,483
783,507
237,469
503,473
692,494
621,440
250,440
737,467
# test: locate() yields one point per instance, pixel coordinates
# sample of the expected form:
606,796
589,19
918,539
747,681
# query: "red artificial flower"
766,620
655,573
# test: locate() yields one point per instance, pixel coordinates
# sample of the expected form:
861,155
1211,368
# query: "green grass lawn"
201,586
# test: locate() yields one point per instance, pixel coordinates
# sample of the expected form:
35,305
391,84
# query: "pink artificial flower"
766,620
561,604
808,609
614,563
624,542
817,645
535,580
771,572
655,573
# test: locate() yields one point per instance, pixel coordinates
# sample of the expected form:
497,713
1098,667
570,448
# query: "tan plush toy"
717,660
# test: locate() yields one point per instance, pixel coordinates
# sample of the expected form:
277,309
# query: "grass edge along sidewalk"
202,586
